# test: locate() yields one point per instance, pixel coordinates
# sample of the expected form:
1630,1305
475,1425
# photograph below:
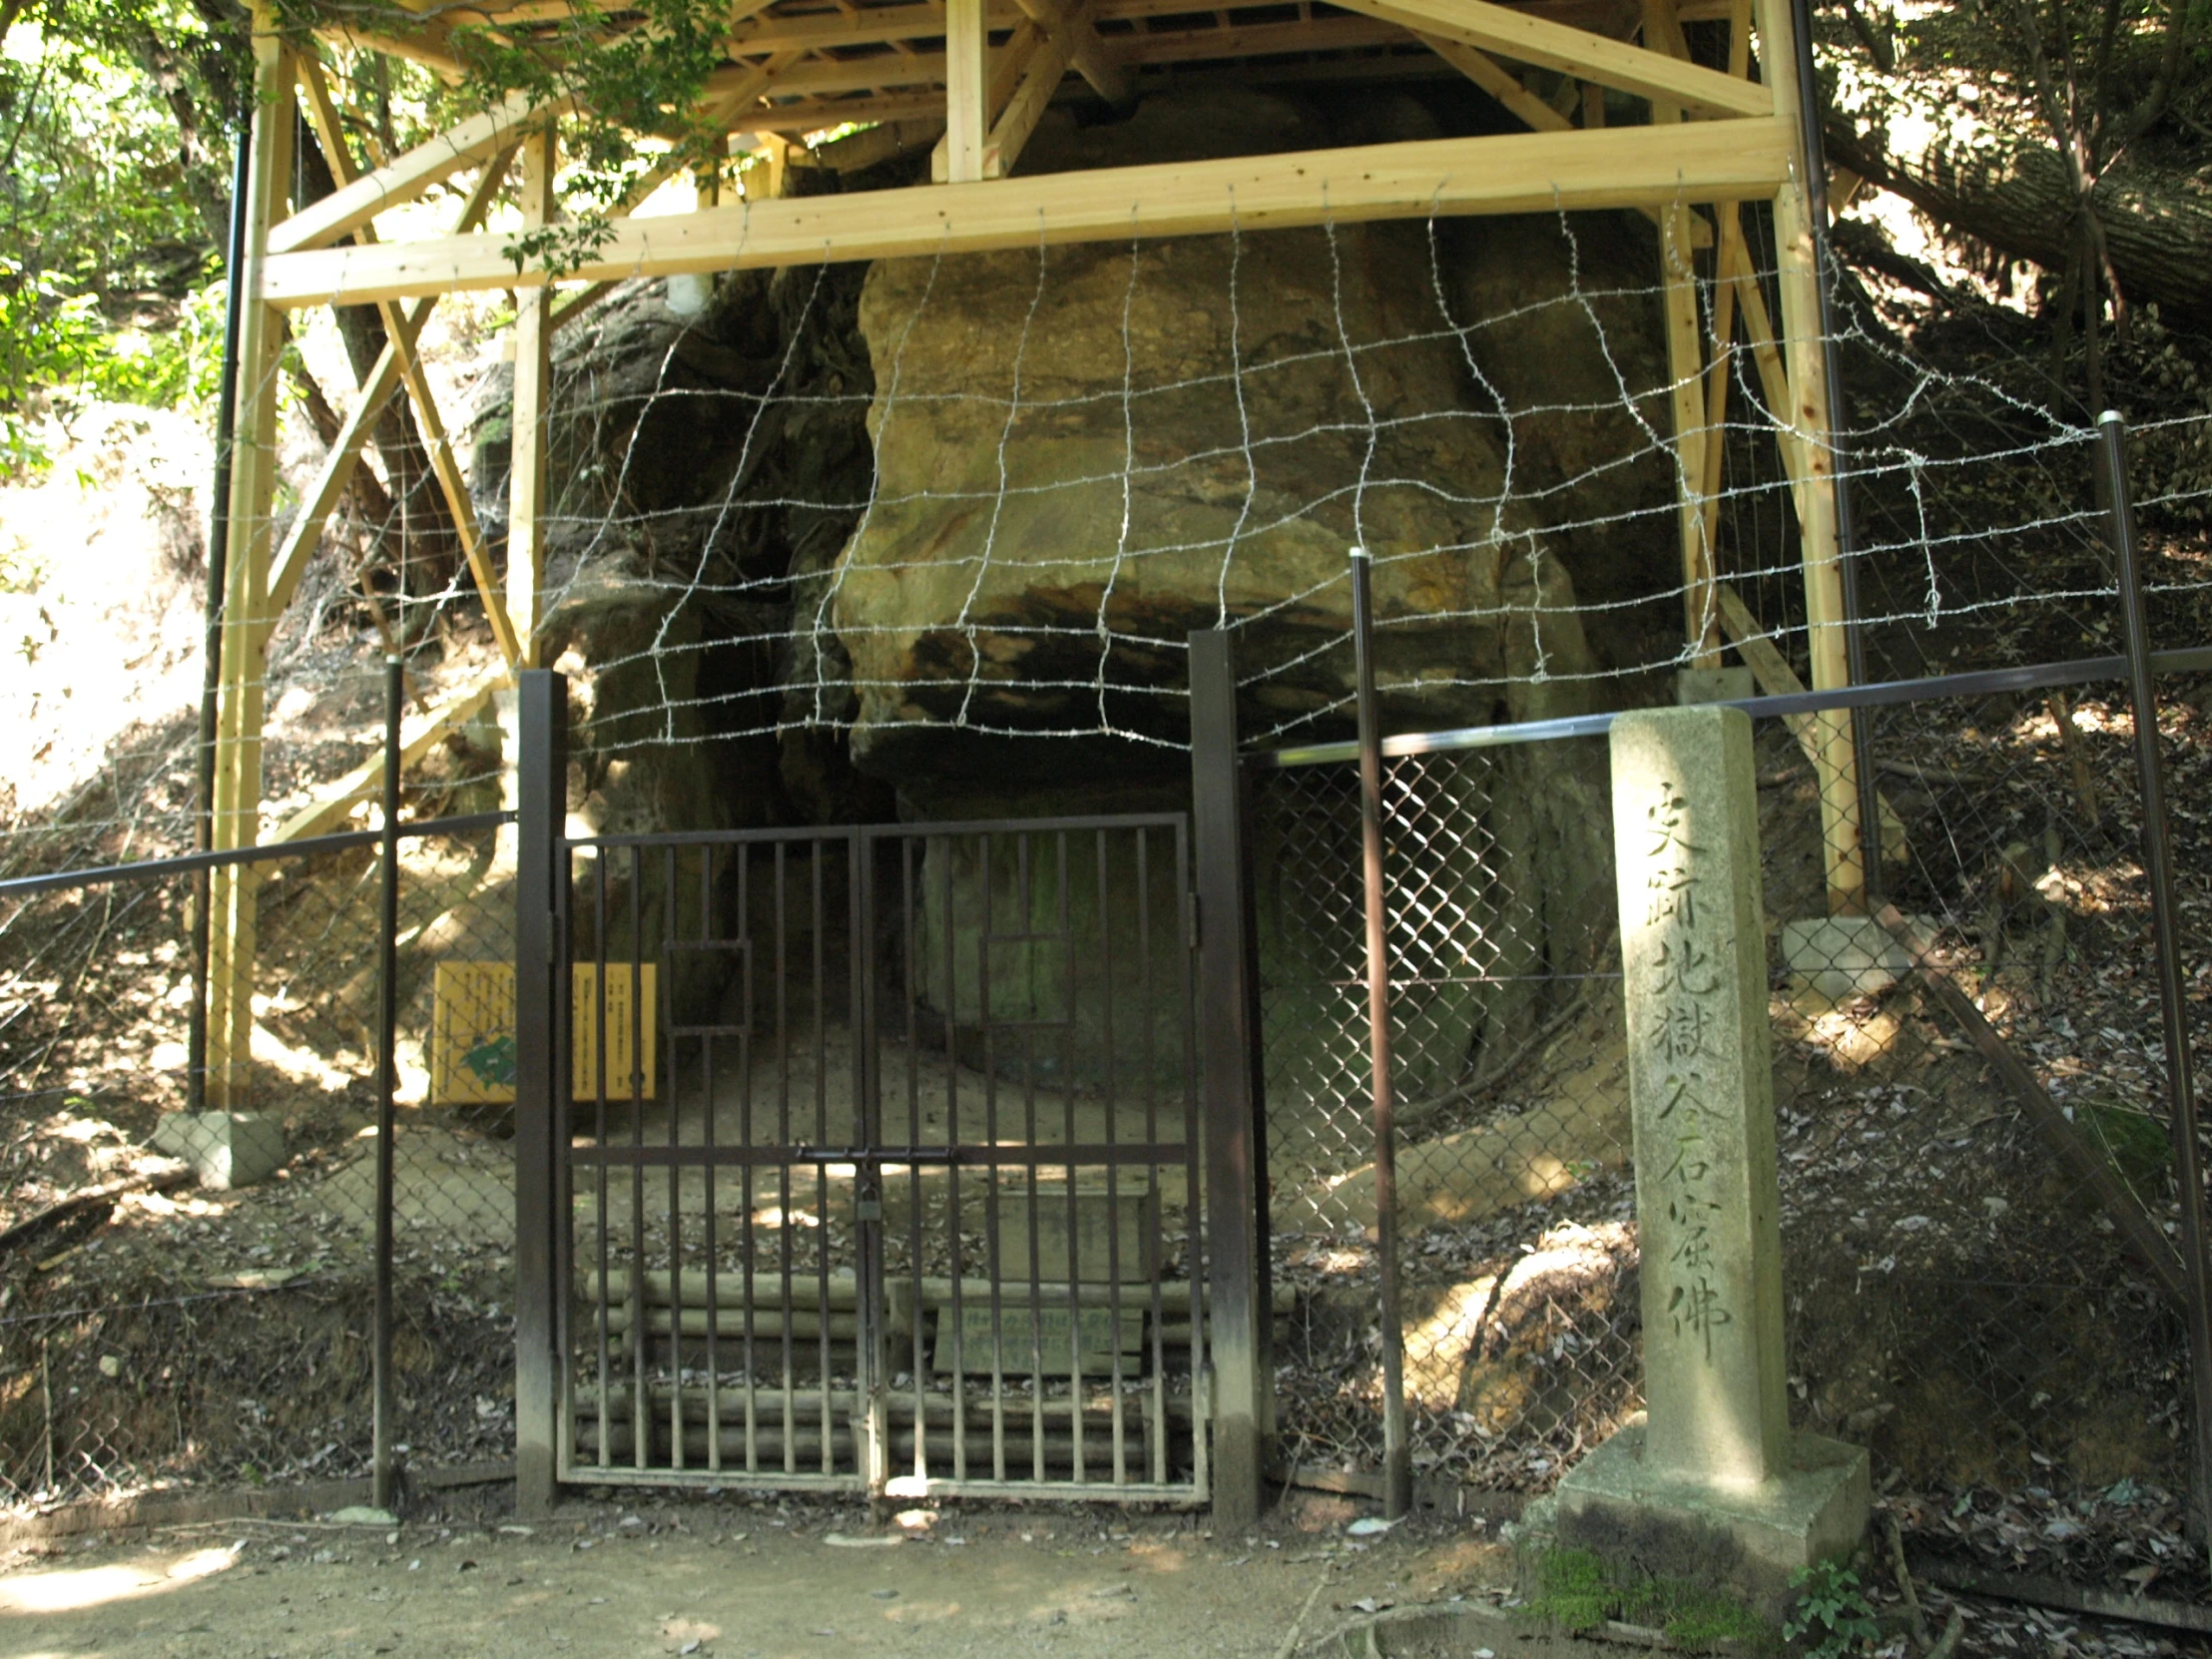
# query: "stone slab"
1114,1234
225,1148
1713,685
1841,956
1701,1089
1645,1518
1098,1333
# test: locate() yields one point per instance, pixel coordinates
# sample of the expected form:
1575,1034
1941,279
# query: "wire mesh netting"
1962,1282
835,536
189,1298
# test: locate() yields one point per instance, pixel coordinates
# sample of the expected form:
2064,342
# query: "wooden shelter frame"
981,74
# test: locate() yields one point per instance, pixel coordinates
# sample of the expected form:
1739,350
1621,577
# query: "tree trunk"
2014,195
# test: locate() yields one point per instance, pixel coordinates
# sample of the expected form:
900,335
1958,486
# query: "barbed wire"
1952,552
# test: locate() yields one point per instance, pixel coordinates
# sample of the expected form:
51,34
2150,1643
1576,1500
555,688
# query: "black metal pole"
1847,534
1397,1455
1238,1343
387,1077
218,577
2181,1092
542,1093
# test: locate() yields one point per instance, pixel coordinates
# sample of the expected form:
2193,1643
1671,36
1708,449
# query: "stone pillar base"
1662,1524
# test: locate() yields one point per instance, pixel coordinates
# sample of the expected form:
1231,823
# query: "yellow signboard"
472,1032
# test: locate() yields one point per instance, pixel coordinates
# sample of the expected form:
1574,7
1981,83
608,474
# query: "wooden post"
967,116
232,890
1686,377
526,488
1806,414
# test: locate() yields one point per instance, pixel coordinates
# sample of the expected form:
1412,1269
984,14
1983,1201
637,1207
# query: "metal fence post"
1397,1451
388,1079
2181,1094
541,802
1236,1236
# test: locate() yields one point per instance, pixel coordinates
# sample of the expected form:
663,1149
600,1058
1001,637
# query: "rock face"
927,538
1084,453
1192,434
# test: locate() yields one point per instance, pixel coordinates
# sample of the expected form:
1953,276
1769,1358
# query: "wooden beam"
328,811
1510,174
821,77
526,490
353,205
1576,52
1774,381
813,115
444,466
428,43
879,143
1010,131
1806,415
967,113
1008,65
1686,372
1777,678
1073,28
1716,415
336,471
1257,40
734,92
242,669
1499,82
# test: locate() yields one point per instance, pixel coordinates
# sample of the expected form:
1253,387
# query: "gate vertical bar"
2182,1093
1397,1455
387,1080
541,798
1236,1240
872,1419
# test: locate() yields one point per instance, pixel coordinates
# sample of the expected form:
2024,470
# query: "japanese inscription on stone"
1693,957
1682,1021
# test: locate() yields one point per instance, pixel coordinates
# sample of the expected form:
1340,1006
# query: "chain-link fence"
1962,1129
191,1296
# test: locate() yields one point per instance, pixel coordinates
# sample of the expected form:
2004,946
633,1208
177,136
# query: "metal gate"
882,1169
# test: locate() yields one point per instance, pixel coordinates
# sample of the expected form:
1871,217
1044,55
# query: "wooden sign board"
472,1032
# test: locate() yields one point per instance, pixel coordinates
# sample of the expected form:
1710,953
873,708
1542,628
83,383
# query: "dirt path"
738,1580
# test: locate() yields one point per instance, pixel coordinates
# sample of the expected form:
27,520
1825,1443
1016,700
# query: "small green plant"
2133,1143
1831,1612
1576,1592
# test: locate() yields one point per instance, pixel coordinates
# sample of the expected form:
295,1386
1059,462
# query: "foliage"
646,75
109,199
1575,1592
2132,1142
1832,1608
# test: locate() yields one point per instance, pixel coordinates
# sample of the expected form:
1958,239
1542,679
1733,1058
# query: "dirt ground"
755,1581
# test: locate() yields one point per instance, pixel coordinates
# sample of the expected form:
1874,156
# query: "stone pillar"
1701,1088
1711,1483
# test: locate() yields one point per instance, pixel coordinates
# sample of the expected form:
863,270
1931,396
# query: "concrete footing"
225,1148
1662,1524
1841,956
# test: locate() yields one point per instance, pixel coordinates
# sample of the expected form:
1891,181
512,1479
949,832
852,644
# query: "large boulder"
1078,464
1084,453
